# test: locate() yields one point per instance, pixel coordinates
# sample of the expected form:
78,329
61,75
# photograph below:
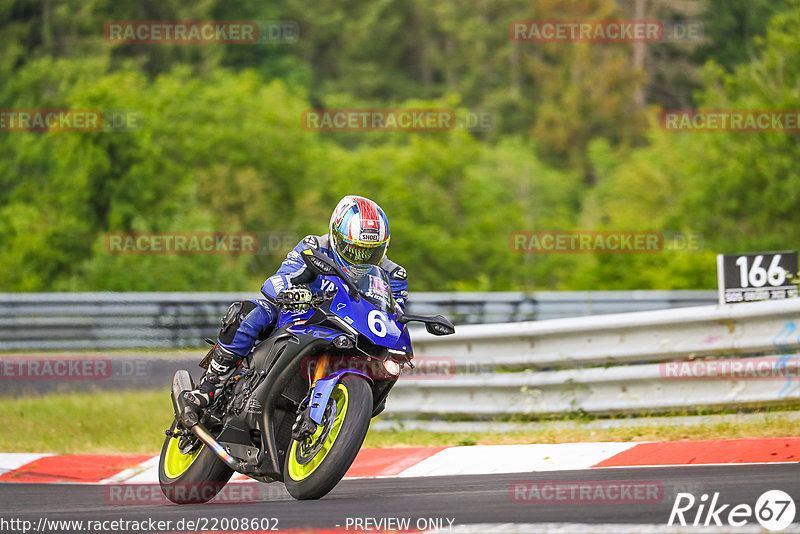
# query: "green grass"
86,422
134,422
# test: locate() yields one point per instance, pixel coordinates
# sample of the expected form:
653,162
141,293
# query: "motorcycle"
298,408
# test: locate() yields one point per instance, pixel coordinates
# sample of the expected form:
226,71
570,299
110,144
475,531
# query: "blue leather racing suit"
248,321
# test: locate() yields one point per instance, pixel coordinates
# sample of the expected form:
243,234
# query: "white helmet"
359,232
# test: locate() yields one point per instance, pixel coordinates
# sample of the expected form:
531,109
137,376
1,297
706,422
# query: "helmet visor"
356,254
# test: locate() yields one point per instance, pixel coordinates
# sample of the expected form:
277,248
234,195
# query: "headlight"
392,367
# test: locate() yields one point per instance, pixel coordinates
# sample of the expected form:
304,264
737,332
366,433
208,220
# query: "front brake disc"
307,449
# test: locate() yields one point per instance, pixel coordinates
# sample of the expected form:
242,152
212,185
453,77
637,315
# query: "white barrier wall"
709,356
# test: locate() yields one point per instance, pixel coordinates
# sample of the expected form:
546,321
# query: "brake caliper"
303,426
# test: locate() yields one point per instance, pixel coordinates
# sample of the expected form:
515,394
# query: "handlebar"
283,299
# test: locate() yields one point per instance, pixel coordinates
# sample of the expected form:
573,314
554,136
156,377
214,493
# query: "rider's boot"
222,365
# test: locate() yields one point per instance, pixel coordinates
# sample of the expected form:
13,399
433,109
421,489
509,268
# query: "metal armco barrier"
605,364
622,363
75,321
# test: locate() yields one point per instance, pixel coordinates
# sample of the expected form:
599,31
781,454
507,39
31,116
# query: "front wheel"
314,466
193,475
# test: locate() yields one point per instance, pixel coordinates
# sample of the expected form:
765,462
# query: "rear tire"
193,478
352,398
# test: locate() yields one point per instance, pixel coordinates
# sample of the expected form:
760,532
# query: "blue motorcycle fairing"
289,317
360,314
378,326
316,331
323,388
404,341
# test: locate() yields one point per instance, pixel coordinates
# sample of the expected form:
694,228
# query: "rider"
358,234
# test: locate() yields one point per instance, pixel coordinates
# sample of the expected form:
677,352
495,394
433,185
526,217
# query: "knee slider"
233,318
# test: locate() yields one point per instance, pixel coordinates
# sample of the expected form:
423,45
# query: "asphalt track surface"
464,499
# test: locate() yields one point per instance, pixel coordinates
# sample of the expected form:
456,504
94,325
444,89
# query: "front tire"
313,468
191,478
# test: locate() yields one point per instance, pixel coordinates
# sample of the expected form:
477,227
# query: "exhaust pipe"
186,415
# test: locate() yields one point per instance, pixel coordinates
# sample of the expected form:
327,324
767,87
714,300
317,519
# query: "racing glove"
295,299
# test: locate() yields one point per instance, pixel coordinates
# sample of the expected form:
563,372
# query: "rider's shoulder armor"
395,271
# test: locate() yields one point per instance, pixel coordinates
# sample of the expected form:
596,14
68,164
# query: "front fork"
312,410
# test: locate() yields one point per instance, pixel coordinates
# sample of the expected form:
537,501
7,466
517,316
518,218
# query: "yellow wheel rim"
175,462
298,471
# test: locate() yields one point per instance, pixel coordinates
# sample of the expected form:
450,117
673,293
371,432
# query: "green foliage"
228,153
222,148
745,187
730,29
738,190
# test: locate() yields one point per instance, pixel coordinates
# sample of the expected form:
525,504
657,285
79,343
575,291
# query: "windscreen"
373,284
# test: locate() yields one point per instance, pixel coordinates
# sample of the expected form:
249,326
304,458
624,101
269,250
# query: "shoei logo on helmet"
369,236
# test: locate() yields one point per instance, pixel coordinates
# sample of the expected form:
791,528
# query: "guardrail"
70,321
618,363
644,362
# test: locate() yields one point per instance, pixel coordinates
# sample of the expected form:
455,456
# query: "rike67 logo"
774,510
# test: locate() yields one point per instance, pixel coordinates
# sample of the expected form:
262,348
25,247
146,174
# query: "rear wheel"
313,467
192,475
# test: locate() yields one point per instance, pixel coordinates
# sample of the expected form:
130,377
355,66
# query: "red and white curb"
11,461
433,461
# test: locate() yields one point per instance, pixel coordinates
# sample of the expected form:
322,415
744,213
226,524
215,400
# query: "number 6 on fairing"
377,323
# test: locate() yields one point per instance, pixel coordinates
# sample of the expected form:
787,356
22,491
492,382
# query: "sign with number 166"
750,277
